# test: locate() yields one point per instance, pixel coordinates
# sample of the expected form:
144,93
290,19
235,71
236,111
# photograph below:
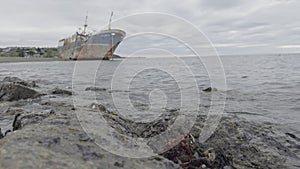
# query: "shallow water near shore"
260,88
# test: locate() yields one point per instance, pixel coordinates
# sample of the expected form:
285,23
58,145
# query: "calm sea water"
259,88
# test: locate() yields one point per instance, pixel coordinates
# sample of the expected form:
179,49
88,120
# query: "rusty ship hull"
97,46
101,45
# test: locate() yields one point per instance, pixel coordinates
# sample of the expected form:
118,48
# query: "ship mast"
109,23
85,24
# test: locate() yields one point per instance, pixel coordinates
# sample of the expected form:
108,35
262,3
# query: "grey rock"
293,136
97,106
17,80
13,92
53,138
139,129
21,120
1,134
40,142
58,91
230,144
95,89
119,164
11,111
210,89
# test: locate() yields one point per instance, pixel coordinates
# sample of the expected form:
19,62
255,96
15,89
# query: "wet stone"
49,141
293,136
210,89
19,81
1,135
228,147
84,137
99,107
58,91
21,121
95,89
54,139
57,137
14,92
89,153
119,164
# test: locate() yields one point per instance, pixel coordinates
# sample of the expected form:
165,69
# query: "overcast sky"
233,26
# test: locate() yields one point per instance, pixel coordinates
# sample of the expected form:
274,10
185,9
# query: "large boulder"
17,119
56,140
14,91
17,80
22,120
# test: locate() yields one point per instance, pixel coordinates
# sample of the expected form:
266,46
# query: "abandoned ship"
84,45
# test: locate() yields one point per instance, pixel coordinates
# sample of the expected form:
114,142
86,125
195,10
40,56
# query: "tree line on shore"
47,52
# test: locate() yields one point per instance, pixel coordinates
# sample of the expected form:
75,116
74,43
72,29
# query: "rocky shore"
38,132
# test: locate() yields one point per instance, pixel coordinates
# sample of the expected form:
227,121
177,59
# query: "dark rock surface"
236,143
1,135
48,135
56,140
293,136
17,80
58,91
19,118
210,89
92,88
13,92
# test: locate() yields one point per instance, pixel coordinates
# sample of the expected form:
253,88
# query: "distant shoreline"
9,59
29,59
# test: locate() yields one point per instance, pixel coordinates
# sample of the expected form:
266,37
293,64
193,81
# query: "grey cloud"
236,26
217,4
